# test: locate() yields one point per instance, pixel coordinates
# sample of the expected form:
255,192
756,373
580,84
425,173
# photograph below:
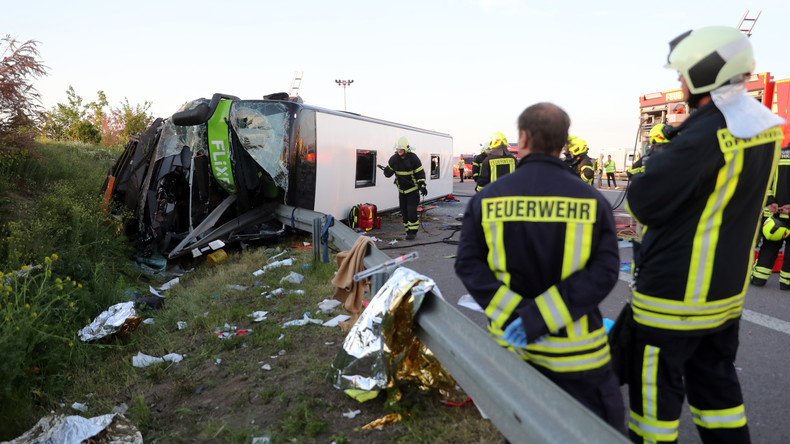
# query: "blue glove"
515,334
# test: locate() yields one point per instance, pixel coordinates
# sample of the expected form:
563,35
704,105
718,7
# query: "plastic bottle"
216,257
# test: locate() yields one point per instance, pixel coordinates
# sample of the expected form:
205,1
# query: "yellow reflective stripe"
502,305
731,418
761,272
650,382
559,345
566,364
419,168
408,191
652,430
497,260
404,173
496,162
675,315
706,237
578,246
784,274
553,309
783,161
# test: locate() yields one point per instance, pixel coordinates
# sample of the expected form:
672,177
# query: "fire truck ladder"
746,24
297,80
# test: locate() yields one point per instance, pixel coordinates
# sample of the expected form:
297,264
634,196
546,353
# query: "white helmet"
402,144
708,58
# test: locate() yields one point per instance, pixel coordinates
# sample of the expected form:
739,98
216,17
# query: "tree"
75,121
19,100
123,122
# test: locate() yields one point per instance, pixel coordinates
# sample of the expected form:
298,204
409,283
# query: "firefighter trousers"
765,261
664,367
408,208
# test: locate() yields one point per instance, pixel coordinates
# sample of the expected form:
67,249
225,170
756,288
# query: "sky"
467,68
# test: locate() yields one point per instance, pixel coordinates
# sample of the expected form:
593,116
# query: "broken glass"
262,128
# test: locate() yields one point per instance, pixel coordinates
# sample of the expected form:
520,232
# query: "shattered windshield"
262,128
174,137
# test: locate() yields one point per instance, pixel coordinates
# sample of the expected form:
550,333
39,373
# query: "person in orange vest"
609,167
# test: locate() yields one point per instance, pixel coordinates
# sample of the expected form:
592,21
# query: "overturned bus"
217,168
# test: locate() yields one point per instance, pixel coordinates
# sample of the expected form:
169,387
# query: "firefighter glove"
515,334
423,190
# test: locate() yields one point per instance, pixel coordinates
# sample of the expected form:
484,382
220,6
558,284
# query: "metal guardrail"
523,404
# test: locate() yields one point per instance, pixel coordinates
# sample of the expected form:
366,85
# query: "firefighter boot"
410,235
758,282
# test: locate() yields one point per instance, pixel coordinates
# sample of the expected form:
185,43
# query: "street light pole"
344,83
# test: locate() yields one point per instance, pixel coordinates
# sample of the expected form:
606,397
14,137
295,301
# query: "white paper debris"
293,277
266,367
337,319
181,325
79,406
154,292
216,244
351,414
168,285
327,305
304,321
393,242
148,321
142,360
196,253
218,361
121,409
273,258
260,440
258,316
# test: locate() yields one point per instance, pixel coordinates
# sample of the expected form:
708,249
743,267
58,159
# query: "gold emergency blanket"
381,350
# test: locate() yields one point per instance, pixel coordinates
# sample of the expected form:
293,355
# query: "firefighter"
410,180
498,162
477,162
580,163
659,135
701,197
774,231
538,251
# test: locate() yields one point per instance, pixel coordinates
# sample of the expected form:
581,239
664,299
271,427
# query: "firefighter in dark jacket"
777,205
700,198
498,162
410,180
580,162
538,251
477,162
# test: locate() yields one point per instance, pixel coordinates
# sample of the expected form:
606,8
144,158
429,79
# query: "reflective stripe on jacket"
701,196
409,175
547,254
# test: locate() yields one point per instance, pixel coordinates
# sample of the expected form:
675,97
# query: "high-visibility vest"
609,165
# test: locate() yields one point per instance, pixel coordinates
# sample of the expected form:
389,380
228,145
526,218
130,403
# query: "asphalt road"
763,358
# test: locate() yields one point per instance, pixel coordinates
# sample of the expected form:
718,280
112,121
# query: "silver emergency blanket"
262,128
62,429
745,116
110,321
381,348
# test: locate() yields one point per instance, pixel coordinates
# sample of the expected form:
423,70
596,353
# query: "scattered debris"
181,325
352,413
142,360
111,427
258,316
260,440
168,285
120,318
149,321
392,418
266,367
304,321
80,407
327,305
334,322
283,263
293,277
